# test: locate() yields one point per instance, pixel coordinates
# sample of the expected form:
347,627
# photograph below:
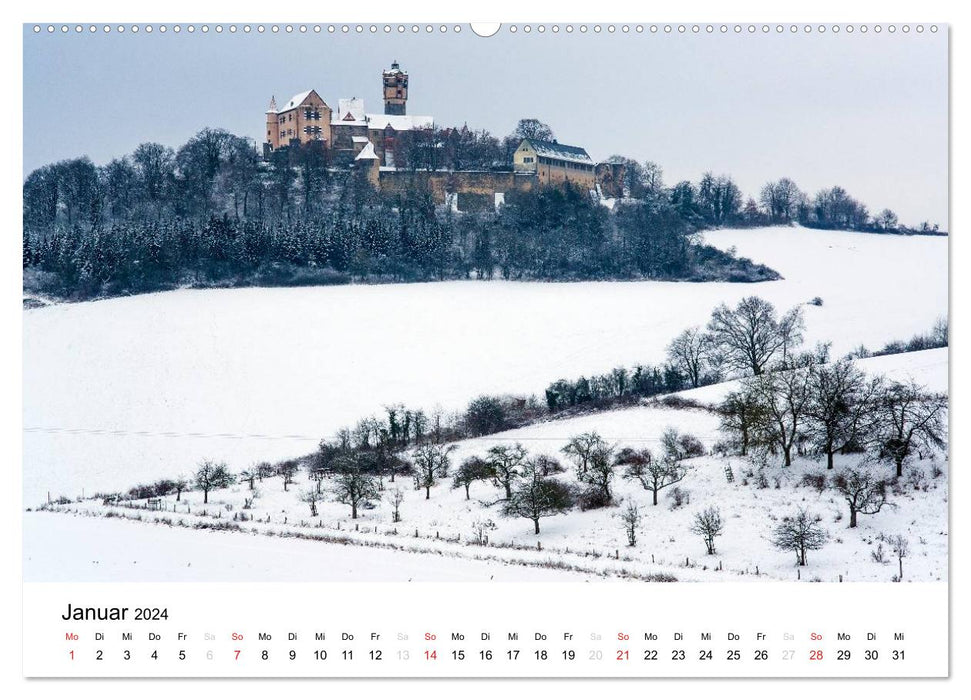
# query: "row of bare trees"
834,408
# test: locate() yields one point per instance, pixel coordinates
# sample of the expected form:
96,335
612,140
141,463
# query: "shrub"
815,481
679,497
591,498
485,415
691,446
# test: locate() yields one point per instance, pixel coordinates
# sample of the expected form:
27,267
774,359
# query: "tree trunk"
655,496
787,451
900,466
829,459
467,491
508,490
536,526
428,492
354,511
852,517
205,496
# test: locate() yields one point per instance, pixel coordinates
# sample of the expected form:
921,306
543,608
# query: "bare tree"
599,471
692,352
480,530
678,446
901,547
505,462
264,470
940,332
287,470
249,476
784,398
180,484
841,406
317,471
532,128
908,417
782,200
353,486
537,496
581,450
886,220
800,533
742,414
631,518
750,336
863,491
708,524
653,474
431,463
310,497
471,470
395,497
212,475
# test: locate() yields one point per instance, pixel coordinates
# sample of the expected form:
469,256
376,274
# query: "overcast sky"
868,112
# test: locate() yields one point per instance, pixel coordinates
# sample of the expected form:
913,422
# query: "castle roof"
349,111
399,122
560,151
293,103
367,153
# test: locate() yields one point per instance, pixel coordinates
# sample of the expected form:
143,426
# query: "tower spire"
395,82
272,104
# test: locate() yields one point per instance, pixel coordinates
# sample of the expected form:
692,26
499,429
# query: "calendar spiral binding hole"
763,29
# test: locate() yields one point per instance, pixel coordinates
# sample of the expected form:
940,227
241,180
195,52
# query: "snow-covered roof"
350,109
367,153
560,151
399,122
293,103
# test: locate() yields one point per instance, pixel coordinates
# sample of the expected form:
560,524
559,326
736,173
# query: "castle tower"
395,89
272,125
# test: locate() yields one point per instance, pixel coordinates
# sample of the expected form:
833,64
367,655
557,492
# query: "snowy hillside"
131,389
591,543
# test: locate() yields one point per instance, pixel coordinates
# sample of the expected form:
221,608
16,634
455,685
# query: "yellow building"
306,117
554,163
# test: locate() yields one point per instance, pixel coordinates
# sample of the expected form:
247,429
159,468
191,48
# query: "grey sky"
866,111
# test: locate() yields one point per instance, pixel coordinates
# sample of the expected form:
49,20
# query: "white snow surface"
59,547
135,389
437,531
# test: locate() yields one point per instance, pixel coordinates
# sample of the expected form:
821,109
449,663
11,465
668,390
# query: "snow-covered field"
591,543
134,389
77,548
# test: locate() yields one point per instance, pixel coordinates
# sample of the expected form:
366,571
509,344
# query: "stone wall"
484,184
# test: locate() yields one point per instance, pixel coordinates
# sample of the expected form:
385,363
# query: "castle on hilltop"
348,130
357,138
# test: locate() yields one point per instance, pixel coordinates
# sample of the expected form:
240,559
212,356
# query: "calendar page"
518,350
